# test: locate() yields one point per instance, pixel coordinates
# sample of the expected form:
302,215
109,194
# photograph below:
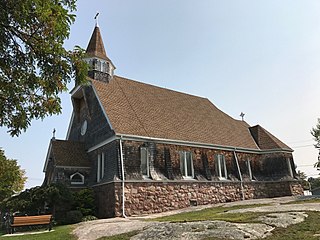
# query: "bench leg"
50,226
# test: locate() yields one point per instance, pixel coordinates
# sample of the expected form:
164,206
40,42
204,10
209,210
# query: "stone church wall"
155,197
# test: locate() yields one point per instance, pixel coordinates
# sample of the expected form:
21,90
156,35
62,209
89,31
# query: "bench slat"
31,220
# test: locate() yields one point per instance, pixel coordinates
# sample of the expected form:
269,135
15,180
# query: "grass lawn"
302,201
305,230
216,213
59,233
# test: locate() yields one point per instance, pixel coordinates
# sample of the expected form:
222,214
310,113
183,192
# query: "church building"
146,149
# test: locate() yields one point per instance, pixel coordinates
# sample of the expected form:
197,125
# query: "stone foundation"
155,197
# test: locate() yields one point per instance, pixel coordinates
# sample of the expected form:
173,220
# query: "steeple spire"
100,66
96,47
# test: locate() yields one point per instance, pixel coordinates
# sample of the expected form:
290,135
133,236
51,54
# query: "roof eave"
47,157
72,167
204,145
188,143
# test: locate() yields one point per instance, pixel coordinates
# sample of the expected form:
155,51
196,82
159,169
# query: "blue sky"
257,57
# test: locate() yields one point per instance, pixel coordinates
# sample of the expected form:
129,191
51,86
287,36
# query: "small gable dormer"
100,66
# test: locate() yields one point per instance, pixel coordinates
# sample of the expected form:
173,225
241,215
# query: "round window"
84,127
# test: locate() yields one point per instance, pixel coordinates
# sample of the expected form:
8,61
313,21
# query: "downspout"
240,175
122,173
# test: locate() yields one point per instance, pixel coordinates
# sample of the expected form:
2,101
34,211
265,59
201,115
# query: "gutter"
122,173
202,145
185,143
240,175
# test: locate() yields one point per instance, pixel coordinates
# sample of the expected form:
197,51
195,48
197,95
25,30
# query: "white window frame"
289,167
248,164
77,173
220,160
184,165
100,167
147,160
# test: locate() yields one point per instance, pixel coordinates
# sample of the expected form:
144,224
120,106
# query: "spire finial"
96,18
242,115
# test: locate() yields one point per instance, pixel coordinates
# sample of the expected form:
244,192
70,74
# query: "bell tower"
100,66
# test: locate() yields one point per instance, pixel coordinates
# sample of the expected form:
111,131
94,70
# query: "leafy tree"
314,182
303,177
34,65
12,177
56,199
315,132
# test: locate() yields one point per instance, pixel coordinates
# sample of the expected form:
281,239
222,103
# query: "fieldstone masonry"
155,197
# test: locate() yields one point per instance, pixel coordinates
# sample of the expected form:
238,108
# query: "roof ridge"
66,140
168,89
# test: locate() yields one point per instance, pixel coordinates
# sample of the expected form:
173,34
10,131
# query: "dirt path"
107,227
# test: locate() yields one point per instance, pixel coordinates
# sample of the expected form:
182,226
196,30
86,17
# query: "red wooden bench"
32,221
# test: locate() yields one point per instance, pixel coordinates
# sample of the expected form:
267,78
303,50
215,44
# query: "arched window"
77,178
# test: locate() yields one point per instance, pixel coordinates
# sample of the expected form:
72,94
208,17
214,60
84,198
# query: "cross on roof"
242,115
96,18
54,133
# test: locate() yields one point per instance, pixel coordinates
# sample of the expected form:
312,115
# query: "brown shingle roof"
140,109
95,47
266,140
69,153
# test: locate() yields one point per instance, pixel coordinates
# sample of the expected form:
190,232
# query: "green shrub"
89,218
72,217
84,201
56,199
